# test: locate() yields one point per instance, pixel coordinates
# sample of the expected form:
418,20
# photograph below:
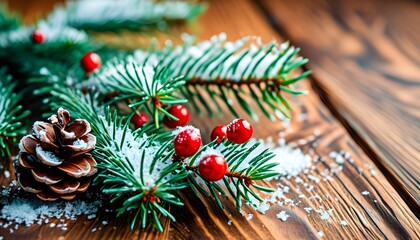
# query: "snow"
263,207
291,161
68,135
28,211
283,216
134,149
90,12
80,144
308,209
365,193
313,178
47,157
209,151
35,128
372,171
142,73
181,129
321,234
325,215
43,136
60,35
250,60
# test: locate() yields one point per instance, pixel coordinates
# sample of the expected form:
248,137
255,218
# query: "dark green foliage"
7,21
133,15
11,113
226,71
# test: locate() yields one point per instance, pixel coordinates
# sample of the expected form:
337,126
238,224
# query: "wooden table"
364,99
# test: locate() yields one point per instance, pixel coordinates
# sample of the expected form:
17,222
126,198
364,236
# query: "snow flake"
283,216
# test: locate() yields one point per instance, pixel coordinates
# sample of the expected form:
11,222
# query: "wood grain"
381,214
365,56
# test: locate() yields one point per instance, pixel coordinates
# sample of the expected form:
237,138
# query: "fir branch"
247,163
145,86
224,70
135,170
138,175
7,21
11,113
62,49
108,15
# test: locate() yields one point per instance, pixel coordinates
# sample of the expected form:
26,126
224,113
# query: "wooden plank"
365,58
30,11
381,214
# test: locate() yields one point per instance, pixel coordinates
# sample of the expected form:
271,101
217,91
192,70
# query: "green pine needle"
218,71
134,15
11,114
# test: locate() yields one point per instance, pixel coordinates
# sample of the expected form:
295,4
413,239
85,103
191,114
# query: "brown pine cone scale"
54,161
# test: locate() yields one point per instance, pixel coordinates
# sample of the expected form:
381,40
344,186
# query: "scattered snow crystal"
29,211
283,216
365,193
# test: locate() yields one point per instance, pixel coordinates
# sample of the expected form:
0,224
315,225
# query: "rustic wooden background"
365,94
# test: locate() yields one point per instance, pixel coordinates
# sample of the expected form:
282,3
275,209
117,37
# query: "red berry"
213,167
90,61
139,119
218,132
180,112
239,131
37,37
187,142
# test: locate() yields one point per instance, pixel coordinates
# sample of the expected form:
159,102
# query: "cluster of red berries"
178,111
212,166
238,131
188,141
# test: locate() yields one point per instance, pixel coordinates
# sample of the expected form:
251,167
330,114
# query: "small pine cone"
54,162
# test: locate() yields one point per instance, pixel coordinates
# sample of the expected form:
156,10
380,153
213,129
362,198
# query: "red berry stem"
149,195
156,102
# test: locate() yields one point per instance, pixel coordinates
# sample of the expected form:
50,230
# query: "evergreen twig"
225,71
11,114
108,15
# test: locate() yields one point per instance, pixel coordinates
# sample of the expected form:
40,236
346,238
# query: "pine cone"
54,162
